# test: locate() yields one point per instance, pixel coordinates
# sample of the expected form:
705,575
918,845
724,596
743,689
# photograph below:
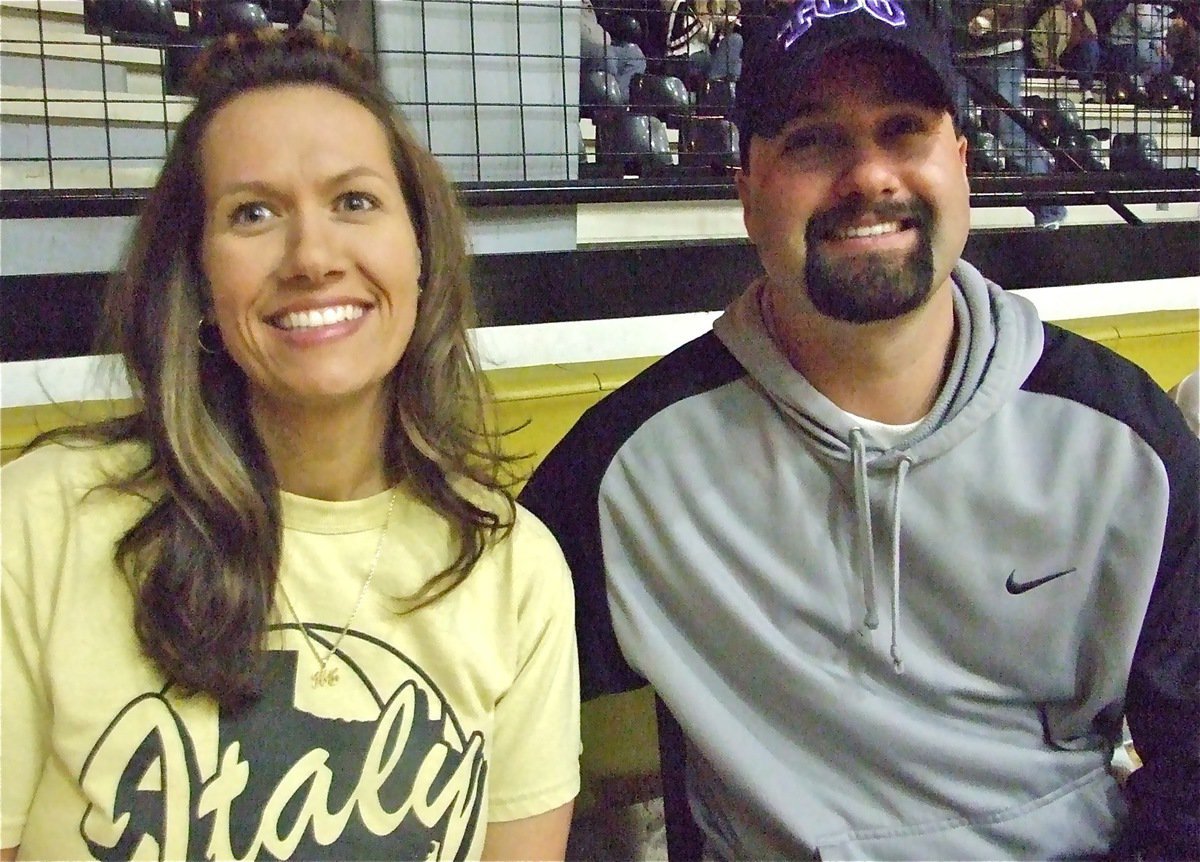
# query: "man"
1136,43
896,555
703,34
1065,39
599,51
988,38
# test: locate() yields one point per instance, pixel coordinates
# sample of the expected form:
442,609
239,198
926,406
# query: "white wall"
92,377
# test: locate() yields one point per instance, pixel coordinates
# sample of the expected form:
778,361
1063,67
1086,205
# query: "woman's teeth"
320,317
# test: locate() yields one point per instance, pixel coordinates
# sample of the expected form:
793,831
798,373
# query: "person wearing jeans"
1136,44
987,41
1065,40
1083,61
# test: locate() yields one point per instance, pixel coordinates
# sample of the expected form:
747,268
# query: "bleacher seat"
708,143
599,94
1131,151
664,96
632,144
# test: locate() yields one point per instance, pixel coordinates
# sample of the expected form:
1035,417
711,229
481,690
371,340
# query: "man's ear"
962,150
742,183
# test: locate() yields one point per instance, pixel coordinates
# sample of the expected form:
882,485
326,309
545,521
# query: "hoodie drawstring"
897,487
862,504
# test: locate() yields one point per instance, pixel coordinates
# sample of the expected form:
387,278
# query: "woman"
287,610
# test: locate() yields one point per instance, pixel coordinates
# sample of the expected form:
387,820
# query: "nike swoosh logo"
1017,587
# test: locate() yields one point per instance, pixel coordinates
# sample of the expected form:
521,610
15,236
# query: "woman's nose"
312,253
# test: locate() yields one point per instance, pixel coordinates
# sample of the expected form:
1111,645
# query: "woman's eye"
357,202
250,213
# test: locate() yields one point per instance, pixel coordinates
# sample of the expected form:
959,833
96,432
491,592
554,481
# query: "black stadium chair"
1066,115
1043,117
1081,149
708,144
664,96
1163,93
288,12
599,94
216,19
129,20
985,153
629,143
152,22
1134,152
1121,89
1052,117
972,117
716,97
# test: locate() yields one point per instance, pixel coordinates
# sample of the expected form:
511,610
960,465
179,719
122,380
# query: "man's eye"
900,127
357,202
806,140
250,213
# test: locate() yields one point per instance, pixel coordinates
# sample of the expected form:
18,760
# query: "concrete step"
63,104
43,44
90,174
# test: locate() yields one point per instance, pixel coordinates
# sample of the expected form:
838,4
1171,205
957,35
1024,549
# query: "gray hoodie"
914,651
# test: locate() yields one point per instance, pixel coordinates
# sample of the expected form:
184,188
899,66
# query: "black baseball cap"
783,48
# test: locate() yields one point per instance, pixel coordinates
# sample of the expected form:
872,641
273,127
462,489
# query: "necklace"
325,676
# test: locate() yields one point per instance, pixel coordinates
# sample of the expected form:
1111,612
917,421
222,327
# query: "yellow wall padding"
537,405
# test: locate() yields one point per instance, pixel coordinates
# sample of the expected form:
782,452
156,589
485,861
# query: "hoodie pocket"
1077,821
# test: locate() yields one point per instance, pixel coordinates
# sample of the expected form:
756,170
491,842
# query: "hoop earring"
205,348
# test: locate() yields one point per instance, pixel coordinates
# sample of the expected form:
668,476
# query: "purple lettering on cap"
804,12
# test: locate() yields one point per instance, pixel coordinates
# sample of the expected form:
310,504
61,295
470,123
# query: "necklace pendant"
325,677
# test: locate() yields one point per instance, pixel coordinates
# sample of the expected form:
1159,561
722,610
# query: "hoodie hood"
998,340
997,343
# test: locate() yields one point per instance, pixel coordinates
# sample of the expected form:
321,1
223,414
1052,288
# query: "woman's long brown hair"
204,559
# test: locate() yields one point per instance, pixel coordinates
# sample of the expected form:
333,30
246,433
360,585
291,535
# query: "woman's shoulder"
531,534
69,465
51,502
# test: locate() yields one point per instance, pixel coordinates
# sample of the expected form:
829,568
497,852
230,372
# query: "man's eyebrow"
803,110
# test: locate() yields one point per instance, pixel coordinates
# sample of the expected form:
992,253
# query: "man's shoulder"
702,364
1087,372
582,456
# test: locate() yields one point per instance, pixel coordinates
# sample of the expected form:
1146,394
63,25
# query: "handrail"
1167,186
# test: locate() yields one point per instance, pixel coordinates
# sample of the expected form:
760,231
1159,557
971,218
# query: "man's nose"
869,171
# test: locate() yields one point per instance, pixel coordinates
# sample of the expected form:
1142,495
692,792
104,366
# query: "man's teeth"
320,316
869,230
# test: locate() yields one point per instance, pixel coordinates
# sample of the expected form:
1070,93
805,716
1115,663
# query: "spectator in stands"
704,33
626,35
988,42
1065,40
1183,44
352,20
1136,42
896,554
287,609
601,51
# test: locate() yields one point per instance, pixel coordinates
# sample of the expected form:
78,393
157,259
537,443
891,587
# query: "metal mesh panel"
512,92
